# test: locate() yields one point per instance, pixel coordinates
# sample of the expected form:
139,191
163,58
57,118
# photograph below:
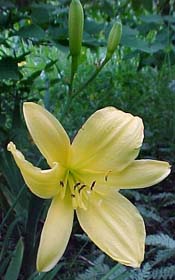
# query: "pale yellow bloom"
86,175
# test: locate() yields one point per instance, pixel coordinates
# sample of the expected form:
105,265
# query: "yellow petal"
110,139
116,227
43,183
139,174
48,134
55,234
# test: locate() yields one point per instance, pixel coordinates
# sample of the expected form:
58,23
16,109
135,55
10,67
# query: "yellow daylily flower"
86,175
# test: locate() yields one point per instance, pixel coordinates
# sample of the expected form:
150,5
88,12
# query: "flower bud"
114,39
75,24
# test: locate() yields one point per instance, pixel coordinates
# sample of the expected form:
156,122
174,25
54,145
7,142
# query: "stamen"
61,183
106,176
76,185
83,186
74,203
79,191
93,184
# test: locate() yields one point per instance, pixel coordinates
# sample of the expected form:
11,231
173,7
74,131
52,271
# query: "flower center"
79,190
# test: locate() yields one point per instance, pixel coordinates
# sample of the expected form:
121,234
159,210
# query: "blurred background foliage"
140,78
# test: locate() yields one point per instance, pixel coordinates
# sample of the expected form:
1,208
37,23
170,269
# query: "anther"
82,187
61,183
93,184
76,185
106,176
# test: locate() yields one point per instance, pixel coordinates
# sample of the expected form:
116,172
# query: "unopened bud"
75,23
114,39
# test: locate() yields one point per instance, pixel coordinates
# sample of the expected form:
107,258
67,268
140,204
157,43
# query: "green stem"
74,66
71,95
92,77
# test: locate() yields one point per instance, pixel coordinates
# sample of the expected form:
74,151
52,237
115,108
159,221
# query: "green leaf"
116,272
51,275
129,39
9,68
3,41
40,15
155,47
92,27
7,238
58,33
152,19
46,275
163,240
91,41
6,4
31,237
3,265
169,18
147,4
136,43
163,36
95,271
128,31
16,261
165,273
136,4
3,19
141,45
32,31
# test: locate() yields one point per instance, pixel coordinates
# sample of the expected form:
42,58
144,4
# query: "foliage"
35,66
